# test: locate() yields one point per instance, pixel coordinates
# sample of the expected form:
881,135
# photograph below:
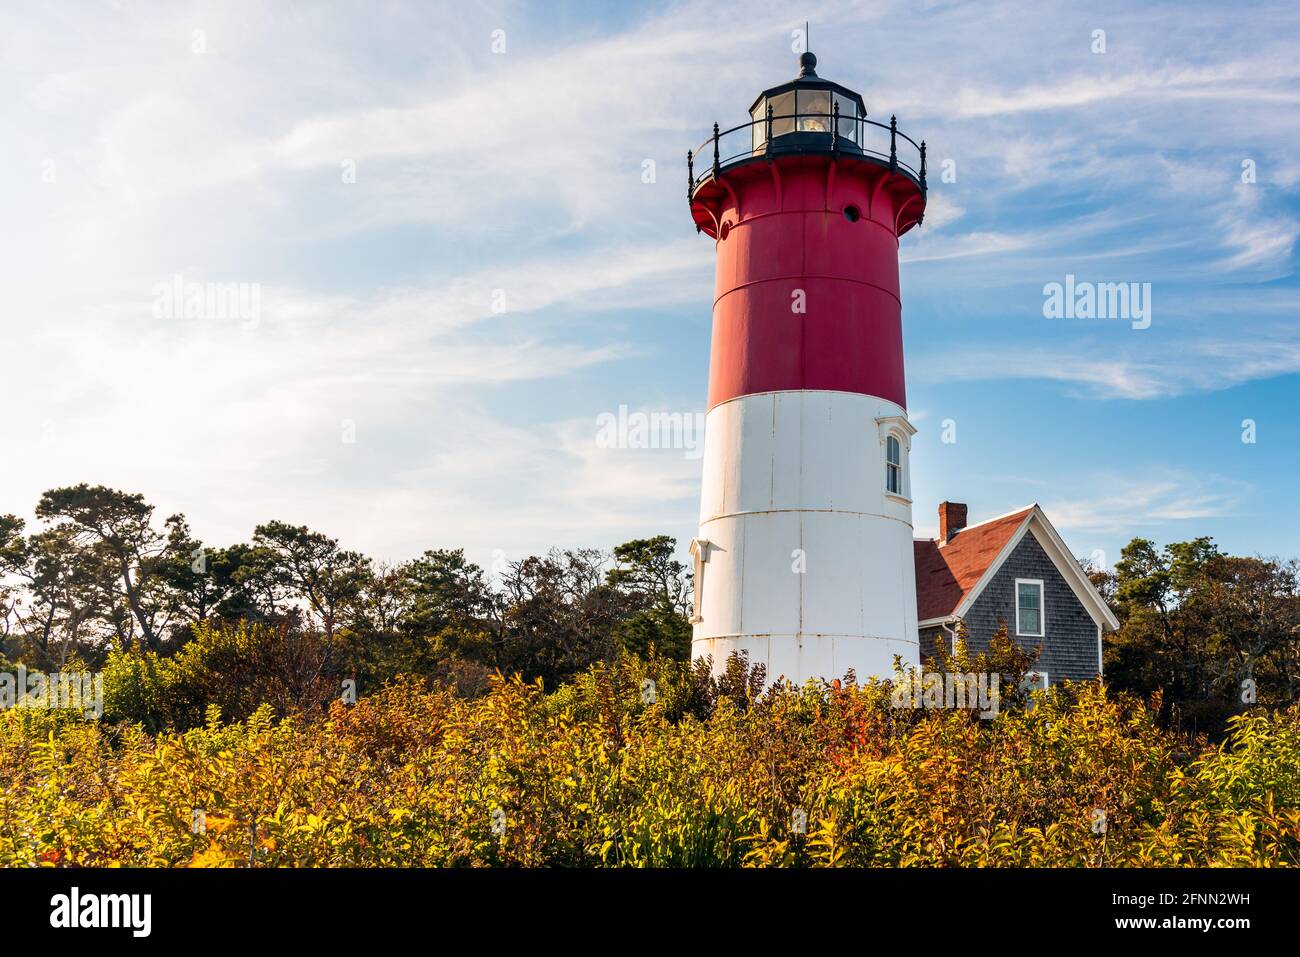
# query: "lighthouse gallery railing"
853,135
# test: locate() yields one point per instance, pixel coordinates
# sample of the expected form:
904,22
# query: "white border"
1042,608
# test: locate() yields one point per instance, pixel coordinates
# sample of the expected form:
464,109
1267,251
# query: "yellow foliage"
594,775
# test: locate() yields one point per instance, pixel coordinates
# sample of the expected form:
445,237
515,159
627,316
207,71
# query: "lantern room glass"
759,129
814,111
848,125
805,111
783,110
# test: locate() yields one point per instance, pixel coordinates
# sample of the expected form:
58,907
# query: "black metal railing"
829,131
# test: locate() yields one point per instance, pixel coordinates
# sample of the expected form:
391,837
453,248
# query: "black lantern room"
802,113
807,115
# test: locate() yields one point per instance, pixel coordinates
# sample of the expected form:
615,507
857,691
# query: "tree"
236,667
660,631
432,616
113,532
557,616
647,567
259,590
328,579
1209,632
49,598
658,587
443,589
1248,609
13,566
1154,649
200,580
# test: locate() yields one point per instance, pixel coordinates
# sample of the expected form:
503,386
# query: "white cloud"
522,174
1260,241
1215,82
1162,496
1162,372
961,246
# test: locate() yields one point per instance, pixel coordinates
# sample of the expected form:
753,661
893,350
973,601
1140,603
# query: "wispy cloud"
1161,496
514,251
1221,81
1199,366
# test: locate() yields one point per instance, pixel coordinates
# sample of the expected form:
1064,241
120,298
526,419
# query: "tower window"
893,465
1029,608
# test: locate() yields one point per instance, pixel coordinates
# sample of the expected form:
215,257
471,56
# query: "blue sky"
136,149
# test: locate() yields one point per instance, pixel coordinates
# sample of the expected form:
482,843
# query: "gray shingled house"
1014,569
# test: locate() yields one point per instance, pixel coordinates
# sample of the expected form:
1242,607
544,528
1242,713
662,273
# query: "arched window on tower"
895,435
893,465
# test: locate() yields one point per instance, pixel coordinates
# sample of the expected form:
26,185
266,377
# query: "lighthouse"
804,557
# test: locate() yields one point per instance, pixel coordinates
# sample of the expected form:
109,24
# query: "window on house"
1029,608
1033,681
893,465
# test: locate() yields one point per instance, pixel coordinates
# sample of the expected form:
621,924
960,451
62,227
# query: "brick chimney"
952,519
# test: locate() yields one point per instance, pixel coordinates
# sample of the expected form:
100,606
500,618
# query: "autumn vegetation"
550,717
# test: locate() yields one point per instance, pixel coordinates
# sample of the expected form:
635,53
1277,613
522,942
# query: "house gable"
1037,523
946,573
1070,640
972,578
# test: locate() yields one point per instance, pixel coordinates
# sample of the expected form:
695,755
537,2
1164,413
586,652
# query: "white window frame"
890,466
1042,609
1024,684
902,430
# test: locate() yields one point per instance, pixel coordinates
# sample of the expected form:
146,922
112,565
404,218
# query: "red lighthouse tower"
804,555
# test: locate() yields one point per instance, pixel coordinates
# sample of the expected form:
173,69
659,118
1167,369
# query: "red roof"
945,574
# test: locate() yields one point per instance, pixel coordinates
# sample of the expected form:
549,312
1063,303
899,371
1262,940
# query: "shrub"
700,771
237,668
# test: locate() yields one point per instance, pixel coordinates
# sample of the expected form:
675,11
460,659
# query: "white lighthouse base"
804,560
817,656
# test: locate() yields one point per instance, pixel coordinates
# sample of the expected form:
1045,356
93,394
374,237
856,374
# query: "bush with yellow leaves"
653,764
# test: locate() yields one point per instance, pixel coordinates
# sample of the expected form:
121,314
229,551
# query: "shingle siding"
932,639
1070,638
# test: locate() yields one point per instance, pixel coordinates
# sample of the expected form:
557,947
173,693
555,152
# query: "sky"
461,236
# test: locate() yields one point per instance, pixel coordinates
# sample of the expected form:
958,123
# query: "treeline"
104,581
1209,634
290,614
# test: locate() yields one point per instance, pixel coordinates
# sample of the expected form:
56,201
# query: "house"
1014,569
